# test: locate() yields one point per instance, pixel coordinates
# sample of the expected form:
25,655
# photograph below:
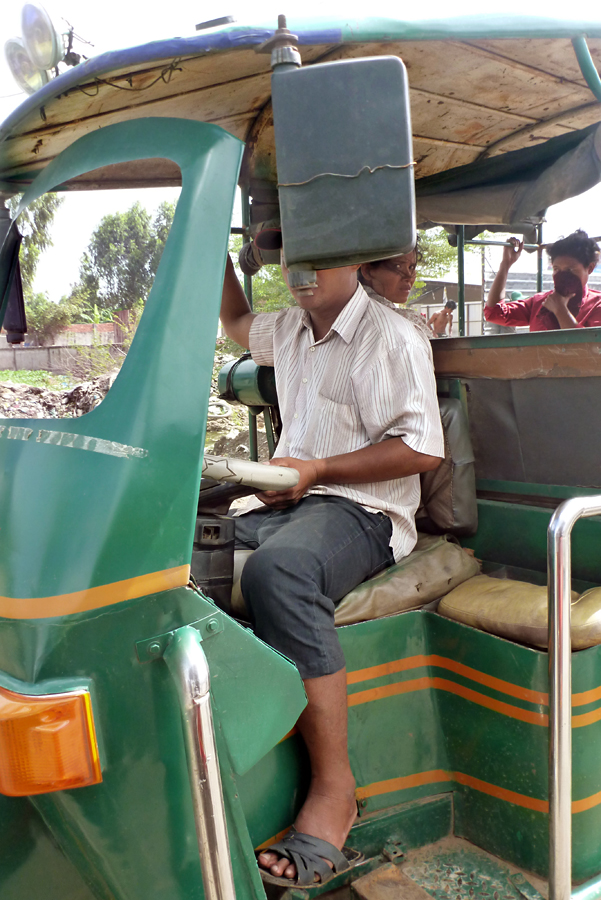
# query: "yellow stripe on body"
95,597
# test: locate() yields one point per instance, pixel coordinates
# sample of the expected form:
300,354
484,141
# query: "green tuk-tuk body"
448,725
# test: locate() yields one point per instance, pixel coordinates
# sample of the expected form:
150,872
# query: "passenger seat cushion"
434,567
518,611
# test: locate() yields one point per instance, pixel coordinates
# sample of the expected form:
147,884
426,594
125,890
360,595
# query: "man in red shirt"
570,305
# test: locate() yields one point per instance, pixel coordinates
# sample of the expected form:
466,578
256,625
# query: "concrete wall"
51,359
86,335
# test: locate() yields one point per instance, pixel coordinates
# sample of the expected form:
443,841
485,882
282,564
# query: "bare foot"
328,813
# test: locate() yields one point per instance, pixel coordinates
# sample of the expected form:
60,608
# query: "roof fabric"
514,188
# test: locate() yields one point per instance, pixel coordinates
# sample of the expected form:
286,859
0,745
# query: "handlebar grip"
252,474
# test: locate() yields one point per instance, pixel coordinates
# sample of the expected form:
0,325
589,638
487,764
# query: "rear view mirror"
344,161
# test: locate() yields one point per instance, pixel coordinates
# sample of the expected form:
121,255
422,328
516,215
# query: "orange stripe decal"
440,775
273,840
437,776
586,697
414,662
94,598
588,803
588,718
291,733
420,684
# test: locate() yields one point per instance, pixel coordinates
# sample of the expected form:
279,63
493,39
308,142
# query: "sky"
114,24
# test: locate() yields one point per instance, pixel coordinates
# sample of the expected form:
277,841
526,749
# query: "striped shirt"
370,378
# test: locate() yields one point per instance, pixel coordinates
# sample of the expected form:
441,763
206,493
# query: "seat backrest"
449,502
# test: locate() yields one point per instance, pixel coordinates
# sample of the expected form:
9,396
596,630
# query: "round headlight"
28,77
42,42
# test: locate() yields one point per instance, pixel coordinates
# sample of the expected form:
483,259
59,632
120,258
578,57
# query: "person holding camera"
571,303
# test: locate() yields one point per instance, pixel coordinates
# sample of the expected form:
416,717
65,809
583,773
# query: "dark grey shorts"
306,559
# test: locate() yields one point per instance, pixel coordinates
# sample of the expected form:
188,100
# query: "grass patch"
38,378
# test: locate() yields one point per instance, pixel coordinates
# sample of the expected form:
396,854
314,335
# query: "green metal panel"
31,864
555,491
526,339
72,518
449,699
133,836
518,534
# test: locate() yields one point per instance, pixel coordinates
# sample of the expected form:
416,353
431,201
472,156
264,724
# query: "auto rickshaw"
147,742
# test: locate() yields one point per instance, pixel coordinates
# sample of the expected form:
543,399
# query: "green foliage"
38,378
100,358
92,315
46,319
119,266
34,224
270,293
90,361
438,256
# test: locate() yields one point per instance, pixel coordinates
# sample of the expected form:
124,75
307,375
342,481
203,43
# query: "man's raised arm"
236,314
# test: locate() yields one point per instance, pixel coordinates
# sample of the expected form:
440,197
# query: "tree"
270,291
438,257
119,266
34,224
46,319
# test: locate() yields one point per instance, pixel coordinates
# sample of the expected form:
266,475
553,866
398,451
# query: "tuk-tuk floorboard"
449,867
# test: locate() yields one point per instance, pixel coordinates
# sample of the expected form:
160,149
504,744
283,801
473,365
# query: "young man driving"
360,422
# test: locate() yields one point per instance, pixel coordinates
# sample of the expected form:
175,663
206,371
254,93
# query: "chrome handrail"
559,585
189,669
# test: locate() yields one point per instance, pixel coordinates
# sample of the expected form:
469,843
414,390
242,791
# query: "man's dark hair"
450,304
579,245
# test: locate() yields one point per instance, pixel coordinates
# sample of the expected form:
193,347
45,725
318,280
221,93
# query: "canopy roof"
481,88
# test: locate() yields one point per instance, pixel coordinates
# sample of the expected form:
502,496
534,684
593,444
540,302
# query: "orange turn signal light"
47,743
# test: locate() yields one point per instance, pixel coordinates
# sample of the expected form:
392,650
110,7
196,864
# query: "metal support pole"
539,259
248,282
253,436
587,65
487,243
269,430
248,290
188,666
461,277
559,584
483,275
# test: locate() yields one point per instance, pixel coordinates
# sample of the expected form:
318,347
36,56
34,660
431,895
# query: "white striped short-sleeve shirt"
370,378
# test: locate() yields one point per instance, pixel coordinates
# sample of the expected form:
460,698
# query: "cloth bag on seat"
518,611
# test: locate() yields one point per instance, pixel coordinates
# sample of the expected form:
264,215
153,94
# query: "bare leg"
330,809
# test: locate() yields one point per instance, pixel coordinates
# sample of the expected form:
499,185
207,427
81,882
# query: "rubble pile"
237,446
227,424
26,401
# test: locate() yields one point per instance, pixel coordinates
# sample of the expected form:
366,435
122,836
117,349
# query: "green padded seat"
518,611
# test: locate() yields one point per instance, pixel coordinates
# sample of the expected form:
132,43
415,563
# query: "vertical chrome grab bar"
189,669
559,584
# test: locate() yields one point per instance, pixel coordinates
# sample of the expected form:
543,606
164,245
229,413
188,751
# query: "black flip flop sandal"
309,855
